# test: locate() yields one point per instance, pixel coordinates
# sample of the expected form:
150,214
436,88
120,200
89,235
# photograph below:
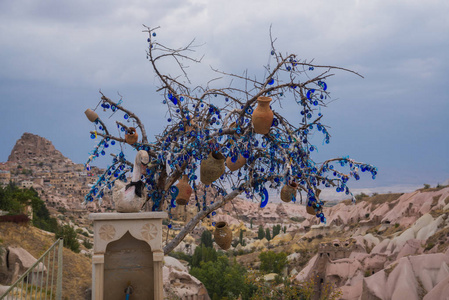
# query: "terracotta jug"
262,116
310,210
91,115
185,190
240,162
131,136
223,235
288,191
212,168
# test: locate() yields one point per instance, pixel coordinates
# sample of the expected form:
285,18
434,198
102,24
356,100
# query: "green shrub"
206,239
222,279
68,234
181,256
272,262
260,233
203,254
87,243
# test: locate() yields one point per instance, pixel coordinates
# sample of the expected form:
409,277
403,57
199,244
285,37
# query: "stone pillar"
158,259
97,276
127,250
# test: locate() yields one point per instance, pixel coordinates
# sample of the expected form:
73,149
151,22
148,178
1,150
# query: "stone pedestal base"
127,251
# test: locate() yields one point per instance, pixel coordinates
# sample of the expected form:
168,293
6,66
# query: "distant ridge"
33,148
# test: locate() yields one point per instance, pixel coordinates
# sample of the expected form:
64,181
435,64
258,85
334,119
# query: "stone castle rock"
33,148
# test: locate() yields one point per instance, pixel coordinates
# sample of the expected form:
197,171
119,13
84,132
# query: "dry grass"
440,238
435,189
77,272
377,199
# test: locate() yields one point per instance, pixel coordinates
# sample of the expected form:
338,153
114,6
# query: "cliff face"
33,148
406,255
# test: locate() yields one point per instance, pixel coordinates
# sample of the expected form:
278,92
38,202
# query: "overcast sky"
56,55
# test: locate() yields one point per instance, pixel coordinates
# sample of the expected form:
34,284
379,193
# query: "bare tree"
218,121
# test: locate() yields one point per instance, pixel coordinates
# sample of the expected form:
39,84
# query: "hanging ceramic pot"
212,168
262,117
91,115
185,190
240,162
288,191
223,235
310,210
131,136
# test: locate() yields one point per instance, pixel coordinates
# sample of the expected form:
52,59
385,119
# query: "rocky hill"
31,148
62,184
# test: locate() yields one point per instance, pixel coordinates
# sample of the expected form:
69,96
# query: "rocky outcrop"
387,209
16,261
273,213
366,267
409,278
179,284
33,148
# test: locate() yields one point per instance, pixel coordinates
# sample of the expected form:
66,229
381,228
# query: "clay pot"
240,162
223,235
262,116
288,191
131,136
212,168
185,190
310,210
91,115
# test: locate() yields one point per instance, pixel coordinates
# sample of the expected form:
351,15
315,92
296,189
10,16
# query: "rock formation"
179,284
32,148
404,265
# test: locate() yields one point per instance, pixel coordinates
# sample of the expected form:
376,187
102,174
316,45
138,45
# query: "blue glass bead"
92,136
126,116
154,34
271,82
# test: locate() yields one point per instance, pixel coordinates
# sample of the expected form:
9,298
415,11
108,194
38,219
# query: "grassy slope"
77,272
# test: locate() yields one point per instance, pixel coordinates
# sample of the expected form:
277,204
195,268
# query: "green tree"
68,234
276,230
272,262
14,200
241,240
267,234
206,239
260,233
203,254
222,279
